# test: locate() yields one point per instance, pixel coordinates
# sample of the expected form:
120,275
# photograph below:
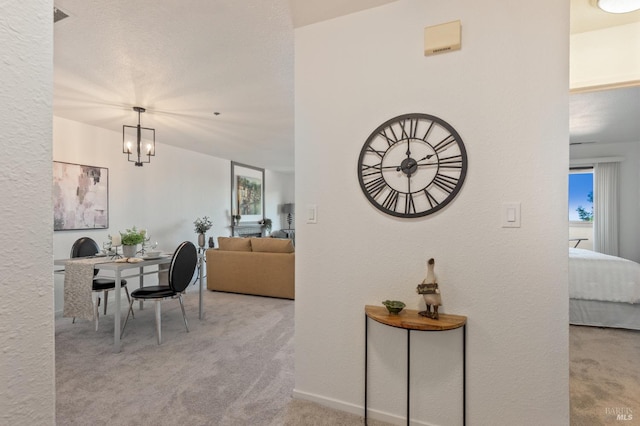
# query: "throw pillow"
234,244
272,245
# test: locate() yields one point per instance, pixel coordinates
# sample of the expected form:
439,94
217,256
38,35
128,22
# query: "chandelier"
138,141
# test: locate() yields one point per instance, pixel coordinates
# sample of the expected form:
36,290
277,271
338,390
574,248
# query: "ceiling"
184,61
586,17
604,116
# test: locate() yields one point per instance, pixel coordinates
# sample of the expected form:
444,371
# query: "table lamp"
288,209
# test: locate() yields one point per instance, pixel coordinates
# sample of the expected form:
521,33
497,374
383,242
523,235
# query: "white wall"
165,196
27,393
605,56
506,92
279,190
629,189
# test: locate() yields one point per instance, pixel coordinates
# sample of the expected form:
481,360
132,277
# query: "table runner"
78,283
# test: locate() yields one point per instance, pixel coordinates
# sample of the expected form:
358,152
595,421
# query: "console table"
409,319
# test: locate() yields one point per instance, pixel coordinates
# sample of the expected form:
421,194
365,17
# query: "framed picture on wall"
247,192
80,197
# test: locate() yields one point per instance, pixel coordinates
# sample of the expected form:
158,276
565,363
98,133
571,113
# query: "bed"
604,290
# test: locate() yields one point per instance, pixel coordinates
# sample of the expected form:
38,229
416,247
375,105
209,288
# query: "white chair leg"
158,321
184,317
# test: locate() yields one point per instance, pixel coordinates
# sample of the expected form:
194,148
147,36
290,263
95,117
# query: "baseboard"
355,409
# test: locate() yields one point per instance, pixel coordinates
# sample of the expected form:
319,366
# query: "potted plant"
130,240
201,227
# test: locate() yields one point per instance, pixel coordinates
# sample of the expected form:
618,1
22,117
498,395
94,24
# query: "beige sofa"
259,266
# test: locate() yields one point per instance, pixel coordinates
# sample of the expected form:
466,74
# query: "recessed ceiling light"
618,6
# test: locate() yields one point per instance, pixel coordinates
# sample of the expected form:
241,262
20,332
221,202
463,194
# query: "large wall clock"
412,165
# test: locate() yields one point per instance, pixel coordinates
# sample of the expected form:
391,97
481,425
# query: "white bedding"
597,276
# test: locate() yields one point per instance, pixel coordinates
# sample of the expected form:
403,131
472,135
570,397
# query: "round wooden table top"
410,319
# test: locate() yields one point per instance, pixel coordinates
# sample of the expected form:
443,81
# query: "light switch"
511,215
312,213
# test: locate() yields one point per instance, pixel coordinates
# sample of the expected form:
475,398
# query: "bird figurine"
430,292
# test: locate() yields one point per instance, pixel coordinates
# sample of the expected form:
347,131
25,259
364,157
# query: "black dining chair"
181,269
85,247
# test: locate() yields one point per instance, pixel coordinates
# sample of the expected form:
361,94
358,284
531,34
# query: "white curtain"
605,208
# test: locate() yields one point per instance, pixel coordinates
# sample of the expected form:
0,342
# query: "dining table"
119,266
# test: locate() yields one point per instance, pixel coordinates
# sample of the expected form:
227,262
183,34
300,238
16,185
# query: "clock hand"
398,168
426,164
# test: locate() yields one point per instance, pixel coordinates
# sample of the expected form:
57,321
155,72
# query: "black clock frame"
450,185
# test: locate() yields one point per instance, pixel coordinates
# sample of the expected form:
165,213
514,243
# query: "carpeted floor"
604,376
236,367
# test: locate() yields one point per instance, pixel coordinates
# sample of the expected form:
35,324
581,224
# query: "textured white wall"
27,393
506,93
165,196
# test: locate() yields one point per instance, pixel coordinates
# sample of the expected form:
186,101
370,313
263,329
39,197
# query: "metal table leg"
116,314
366,353
201,277
408,375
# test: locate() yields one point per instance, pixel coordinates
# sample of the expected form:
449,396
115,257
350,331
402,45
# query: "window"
581,195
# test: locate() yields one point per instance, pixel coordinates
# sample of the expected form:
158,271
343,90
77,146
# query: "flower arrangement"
132,237
202,225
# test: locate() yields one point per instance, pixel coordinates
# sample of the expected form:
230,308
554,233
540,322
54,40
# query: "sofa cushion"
234,244
272,245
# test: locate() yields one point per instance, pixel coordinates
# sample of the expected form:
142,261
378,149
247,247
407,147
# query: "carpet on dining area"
236,367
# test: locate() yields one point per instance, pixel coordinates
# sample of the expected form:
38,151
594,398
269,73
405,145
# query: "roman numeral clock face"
412,165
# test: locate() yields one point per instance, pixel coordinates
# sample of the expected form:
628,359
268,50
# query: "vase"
201,240
211,243
129,250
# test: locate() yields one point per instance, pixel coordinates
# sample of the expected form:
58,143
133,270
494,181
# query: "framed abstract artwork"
247,192
80,197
